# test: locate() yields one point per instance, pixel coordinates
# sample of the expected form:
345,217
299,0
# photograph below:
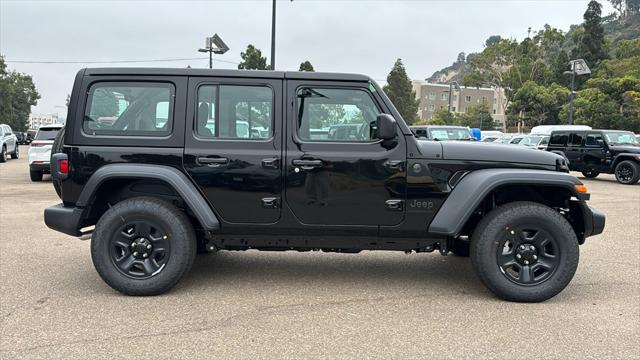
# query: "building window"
432,96
453,109
467,98
494,111
484,99
444,96
432,107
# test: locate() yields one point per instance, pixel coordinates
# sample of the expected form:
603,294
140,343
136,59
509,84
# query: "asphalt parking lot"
309,305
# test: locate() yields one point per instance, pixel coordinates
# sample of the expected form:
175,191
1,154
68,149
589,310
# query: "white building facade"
37,120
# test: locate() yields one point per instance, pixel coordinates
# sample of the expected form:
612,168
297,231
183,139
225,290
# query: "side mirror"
386,127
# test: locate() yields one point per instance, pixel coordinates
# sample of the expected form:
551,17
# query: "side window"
559,139
345,114
575,139
235,112
129,109
594,139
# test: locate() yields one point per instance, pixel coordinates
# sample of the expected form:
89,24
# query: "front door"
233,147
337,171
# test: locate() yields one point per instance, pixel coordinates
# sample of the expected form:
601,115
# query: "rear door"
233,147
575,147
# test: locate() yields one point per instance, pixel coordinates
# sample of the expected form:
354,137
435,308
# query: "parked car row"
589,151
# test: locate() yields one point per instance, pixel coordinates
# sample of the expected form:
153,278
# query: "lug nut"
532,247
513,232
165,237
144,255
135,253
535,257
149,246
518,256
521,247
526,262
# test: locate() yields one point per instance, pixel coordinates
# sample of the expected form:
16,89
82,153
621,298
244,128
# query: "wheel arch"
117,180
482,190
624,156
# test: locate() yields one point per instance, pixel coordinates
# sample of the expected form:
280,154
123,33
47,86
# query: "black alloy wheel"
140,249
627,172
528,255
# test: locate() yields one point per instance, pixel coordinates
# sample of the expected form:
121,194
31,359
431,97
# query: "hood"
481,151
634,149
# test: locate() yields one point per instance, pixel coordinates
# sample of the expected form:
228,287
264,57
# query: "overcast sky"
338,36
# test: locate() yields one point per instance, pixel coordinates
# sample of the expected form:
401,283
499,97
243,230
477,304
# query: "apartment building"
436,96
37,120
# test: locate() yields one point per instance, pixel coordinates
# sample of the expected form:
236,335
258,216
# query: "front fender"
622,157
475,186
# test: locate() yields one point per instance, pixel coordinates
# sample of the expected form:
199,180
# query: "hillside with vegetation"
533,71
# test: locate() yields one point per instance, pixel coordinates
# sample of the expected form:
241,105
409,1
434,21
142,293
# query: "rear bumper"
65,219
40,167
594,221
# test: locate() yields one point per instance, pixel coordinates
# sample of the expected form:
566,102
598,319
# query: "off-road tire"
590,174
16,152
635,168
485,244
181,237
35,175
3,154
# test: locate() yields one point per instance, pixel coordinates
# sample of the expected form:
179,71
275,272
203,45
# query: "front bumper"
65,219
594,221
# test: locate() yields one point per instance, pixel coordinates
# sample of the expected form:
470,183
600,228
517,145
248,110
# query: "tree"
591,45
401,92
594,108
306,66
442,117
477,116
538,104
492,40
17,94
252,59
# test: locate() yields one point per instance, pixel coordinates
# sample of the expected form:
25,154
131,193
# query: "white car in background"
40,151
8,143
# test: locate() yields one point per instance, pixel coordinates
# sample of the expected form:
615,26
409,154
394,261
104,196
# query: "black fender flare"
172,176
624,156
475,186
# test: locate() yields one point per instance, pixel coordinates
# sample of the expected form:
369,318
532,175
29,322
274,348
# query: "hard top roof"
262,74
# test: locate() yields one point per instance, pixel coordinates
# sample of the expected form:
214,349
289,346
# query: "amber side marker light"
581,189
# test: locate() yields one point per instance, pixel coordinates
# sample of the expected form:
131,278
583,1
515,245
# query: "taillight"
64,166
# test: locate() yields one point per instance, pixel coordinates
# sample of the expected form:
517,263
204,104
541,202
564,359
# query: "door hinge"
394,205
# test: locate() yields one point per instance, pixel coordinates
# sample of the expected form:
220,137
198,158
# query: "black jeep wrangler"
599,151
156,164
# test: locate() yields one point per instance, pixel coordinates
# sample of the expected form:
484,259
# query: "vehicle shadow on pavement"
381,271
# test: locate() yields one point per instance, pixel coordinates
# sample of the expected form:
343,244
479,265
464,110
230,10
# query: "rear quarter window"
559,139
129,109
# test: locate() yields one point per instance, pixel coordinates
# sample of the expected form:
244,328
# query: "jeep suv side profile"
156,164
599,151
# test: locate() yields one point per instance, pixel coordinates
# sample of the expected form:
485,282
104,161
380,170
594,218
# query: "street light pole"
273,35
573,86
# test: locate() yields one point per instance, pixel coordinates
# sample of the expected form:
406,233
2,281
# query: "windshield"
531,140
449,134
47,134
621,138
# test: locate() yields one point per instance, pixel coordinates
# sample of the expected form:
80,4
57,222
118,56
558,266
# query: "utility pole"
214,45
273,35
578,67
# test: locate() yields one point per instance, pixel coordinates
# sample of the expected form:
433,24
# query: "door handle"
394,165
212,161
270,163
307,164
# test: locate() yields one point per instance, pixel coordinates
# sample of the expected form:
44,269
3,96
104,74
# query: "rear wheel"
525,251
590,173
35,175
627,172
16,152
143,246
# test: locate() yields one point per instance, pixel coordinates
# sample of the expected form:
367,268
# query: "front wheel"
627,172
16,152
143,246
3,154
524,251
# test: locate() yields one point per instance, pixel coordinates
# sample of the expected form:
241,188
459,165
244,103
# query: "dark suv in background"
599,151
